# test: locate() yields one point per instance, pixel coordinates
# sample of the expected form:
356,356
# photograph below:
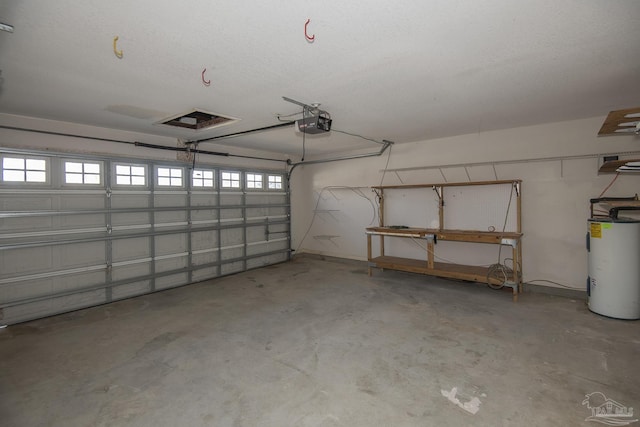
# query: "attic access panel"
198,120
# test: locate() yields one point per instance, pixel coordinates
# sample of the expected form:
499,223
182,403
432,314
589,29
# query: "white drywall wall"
555,201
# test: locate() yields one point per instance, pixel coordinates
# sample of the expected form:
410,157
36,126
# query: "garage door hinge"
109,229
109,193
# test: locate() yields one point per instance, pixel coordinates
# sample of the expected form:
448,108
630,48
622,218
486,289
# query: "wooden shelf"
493,237
440,269
434,235
613,165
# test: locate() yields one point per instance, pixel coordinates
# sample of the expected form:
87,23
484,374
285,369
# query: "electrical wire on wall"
304,135
609,186
386,166
500,270
357,136
356,190
194,153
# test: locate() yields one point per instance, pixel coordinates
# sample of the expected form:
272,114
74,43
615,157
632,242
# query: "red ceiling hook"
309,38
205,82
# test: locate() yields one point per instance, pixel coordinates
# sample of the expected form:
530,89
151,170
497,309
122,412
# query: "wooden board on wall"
611,125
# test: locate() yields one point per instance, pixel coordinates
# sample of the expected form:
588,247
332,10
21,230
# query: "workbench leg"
369,253
430,253
516,261
521,275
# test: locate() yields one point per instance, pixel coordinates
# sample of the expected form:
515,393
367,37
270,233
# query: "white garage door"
79,231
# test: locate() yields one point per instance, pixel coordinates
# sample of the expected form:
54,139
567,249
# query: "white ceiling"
403,71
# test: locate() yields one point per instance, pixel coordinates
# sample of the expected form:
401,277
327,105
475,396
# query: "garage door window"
202,178
254,180
130,175
81,173
24,169
275,182
230,179
170,177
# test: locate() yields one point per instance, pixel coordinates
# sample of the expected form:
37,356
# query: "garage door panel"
256,234
71,222
208,215
257,212
266,260
231,253
133,248
204,199
171,281
79,255
204,274
26,261
230,199
278,228
53,305
11,226
170,217
204,240
230,215
232,267
130,289
128,201
277,211
171,244
21,202
57,240
263,247
130,271
204,258
163,265
81,201
170,200
231,236
25,289
49,286
130,218
266,198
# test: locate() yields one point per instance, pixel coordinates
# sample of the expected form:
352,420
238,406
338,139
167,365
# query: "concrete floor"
317,342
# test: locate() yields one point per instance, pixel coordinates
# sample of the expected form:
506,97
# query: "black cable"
305,113
193,165
386,166
356,135
279,116
244,132
304,140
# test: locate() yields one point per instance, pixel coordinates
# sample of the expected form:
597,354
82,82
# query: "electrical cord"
610,184
499,270
278,116
355,190
356,135
384,171
530,282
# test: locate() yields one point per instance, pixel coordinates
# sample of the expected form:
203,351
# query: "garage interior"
316,214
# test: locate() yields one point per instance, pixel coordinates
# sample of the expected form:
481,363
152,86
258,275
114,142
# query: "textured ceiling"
403,71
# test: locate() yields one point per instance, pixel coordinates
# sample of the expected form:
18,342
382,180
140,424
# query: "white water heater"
613,285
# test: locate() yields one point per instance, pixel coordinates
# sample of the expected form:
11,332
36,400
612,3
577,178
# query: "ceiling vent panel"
198,120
